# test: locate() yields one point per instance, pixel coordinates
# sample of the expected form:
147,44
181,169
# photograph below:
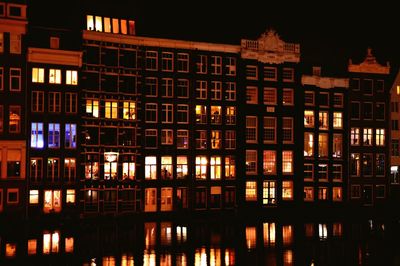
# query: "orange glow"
251,237
32,246
150,234
149,258
229,257
165,260
288,257
287,234
11,250
200,257
269,234
109,261
127,260
215,257
69,244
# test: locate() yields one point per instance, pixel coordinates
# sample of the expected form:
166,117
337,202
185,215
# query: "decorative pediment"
269,48
369,65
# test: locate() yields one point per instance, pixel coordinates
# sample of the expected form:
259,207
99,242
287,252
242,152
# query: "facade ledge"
54,56
12,25
325,82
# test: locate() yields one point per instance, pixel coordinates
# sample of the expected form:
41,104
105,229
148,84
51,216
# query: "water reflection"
204,243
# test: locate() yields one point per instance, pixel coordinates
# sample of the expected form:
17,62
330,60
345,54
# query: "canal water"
202,242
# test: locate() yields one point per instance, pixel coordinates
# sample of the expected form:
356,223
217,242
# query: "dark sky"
329,33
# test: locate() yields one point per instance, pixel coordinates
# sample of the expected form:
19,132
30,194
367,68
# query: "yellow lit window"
287,190
308,118
337,120
380,137
55,76
269,162
72,77
107,25
287,162
70,196
124,26
398,89
89,22
129,111
201,167
251,191
99,24
38,75
215,167
269,234
111,110
34,197
92,107
52,201
115,25
128,170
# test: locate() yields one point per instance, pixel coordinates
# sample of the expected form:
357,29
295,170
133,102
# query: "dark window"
367,110
13,169
355,110
380,111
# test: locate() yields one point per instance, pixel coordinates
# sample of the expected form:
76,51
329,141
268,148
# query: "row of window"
14,119
269,191
53,135
269,133
14,79
365,191
368,111
322,172
368,85
15,43
52,199
366,138
52,169
217,65
323,99
269,162
269,96
323,119
53,102
112,110
269,73
323,145
364,164
110,25
54,76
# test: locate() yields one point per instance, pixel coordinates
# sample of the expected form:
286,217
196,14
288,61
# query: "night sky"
329,34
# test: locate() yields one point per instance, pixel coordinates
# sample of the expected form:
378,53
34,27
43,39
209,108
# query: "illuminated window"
355,110
367,136
151,60
54,102
269,131
355,136
308,194
182,88
51,243
269,162
367,164
287,162
52,202
167,113
269,96
230,66
37,75
355,191
380,164
216,141
251,95
124,26
14,119
128,170
287,190
151,113
337,172
182,139
201,89
111,109
230,169
54,135
70,136
70,198
201,139
251,191
216,117
92,107
167,136
323,145
36,168
251,162
150,167
230,139
269,234
98,23
323,120
215,167
230,115
322,172
32,247
251,129
71,103
166,167
89,22
115,25
92,170
337,151
308,172
338,100
270,73
337,120
181,167
55,76
287,130
201,114
183,62
288,74
324,99
309,98
71,77
308,144
269,192
129,110
216,90
167,61
107,25
201,167
34,197
151,86
15,43
110,167
308,118
355,164
69,169
288,97
230,91
287,239
53,169
201,64
37,135
167,87
398,89
166,205
11,250
337,194
367,107
69,244
380,137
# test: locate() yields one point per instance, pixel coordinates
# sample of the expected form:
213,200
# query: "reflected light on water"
127,260
32,246
287,234
322,231
165,260
181,259
269,234
215,257
288,257
251,237
181,234
337,229
200,257
229,257
108,261
150,234
149,258
69,244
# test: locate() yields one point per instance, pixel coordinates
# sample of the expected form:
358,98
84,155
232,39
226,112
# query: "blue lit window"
70,135
37,135
54,135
